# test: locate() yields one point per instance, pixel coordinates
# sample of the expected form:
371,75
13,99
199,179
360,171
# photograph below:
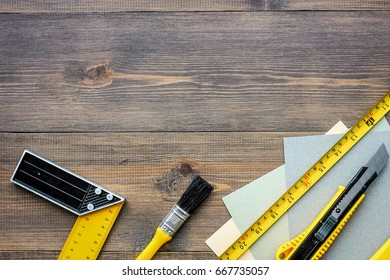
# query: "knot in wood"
94,72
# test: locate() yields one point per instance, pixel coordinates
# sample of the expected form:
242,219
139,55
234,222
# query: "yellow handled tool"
160,238
285,251
307,181
195,194
313,243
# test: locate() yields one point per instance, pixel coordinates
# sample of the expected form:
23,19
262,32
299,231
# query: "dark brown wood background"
139,96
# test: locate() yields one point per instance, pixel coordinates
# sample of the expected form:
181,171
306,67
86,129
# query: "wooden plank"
190,72
88,6
117,255
73,6
151,170
326,5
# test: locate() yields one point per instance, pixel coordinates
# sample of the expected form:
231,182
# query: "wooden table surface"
140,96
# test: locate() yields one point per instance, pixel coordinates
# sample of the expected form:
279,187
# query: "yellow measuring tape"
315,173
89,233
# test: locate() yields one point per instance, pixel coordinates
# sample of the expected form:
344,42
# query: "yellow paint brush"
196,193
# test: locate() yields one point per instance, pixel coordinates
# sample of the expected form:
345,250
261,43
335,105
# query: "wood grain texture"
74,6
140,96
151,170
191,72
88,6
326,5
105,255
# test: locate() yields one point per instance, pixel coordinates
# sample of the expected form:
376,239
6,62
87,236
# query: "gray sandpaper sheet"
369,227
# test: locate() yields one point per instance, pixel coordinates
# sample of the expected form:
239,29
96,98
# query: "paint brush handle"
159,239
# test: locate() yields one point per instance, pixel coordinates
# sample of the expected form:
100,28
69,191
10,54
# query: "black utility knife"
315,240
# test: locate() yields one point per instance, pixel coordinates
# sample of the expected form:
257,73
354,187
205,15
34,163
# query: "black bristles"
196,193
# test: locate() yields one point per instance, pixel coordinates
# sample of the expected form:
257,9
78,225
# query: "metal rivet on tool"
109,196
90,206
98,191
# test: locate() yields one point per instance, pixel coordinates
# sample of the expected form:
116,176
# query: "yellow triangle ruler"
96,207
89,234
314,174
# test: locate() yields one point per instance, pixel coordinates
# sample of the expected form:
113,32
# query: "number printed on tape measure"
315,173
89,233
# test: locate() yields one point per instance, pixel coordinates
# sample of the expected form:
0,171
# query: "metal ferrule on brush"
174,220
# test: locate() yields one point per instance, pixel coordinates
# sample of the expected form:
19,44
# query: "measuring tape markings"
89,234
315,173
97,208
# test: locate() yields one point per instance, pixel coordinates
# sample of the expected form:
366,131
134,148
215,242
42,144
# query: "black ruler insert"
61,186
